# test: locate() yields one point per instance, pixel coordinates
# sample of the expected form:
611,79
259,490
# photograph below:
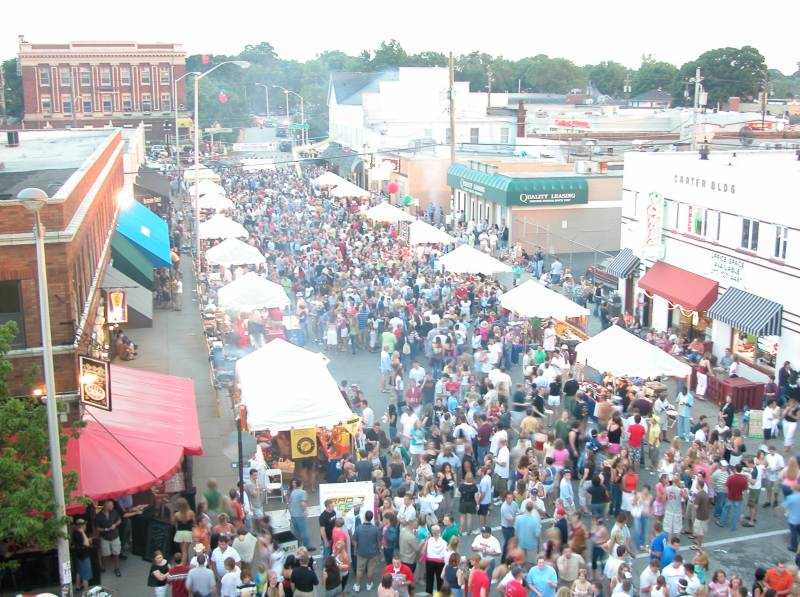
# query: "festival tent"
232,251
329,179
533,299
202,173
617,351
348,189
222,227
215,201
206,187
422,233
468,260
251,292
386,212
287,387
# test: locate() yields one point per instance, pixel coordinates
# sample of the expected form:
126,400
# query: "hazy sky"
584,31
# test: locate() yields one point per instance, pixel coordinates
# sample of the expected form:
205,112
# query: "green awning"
131,261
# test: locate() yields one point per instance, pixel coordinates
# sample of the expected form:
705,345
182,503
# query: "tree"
728,72
389,55
474,68
609,77
13,88
428,59
543,74
653,74
26,491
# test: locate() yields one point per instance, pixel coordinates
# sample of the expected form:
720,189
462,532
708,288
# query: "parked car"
598,274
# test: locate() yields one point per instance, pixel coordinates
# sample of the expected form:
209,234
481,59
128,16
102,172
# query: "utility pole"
698,89
3,92
489,78
626,87
452,98
764,94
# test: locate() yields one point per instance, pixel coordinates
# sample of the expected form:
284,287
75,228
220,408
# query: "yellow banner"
304,443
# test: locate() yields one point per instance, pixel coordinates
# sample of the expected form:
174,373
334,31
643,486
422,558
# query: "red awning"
679,287
142,441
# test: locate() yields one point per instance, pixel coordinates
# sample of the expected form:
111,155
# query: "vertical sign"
95,382
654,209
116,306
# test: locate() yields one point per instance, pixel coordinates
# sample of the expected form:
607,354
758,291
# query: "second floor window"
108,104
749,234
86,76
164,75
145,70
474,135
44,76
47,104
125,75
147,103
166,104
127,104
65,74
105,76
781,240
87,104
66,104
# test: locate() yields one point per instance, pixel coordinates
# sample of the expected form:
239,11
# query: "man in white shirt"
614,561
367,415
774,466
498,375
494,441
222,552
672,573
648,577
407,512
407,421
488,546
501,467
417,373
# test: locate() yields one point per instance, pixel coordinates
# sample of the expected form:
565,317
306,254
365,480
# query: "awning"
140,299
147,231
748,312
126,258
142,441
150,182
679,287
624,265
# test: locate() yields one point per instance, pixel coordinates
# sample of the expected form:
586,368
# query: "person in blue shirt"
542,580
791,505
659,541
452,403
670,551
527,529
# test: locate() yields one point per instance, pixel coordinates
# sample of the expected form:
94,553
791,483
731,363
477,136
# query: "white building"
713,248
409,107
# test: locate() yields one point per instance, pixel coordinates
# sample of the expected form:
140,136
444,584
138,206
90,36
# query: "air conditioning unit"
12,138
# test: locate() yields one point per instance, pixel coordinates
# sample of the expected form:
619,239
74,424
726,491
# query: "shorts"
752,497
183,537
554,401
700,527
483,509
673,523
110,548
368,565
85,569
466,508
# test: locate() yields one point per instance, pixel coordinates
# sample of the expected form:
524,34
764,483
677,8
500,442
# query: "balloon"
393,187
407,200
223,97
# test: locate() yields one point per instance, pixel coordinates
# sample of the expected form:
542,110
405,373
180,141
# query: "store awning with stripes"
748,312
624,265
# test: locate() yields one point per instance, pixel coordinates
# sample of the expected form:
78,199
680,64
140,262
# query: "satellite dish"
746,136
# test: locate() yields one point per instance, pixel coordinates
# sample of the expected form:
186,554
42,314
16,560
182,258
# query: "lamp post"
34,199
177,130
303,136
240,64
266,95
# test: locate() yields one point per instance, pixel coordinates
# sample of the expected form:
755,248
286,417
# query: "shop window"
781,240
11,309
759,350
749,234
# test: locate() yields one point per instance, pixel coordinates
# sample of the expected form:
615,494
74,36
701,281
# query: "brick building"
83,174
80,84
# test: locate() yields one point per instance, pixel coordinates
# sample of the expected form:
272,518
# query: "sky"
585,31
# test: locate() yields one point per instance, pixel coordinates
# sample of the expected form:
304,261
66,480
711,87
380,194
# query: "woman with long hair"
341,553
184,521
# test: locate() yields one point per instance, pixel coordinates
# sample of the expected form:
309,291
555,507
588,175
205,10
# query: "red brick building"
82,173
80,84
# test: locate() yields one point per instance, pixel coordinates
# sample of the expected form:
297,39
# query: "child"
746,421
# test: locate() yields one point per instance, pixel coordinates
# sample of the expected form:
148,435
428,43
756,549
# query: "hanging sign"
95,382
304,443
116,306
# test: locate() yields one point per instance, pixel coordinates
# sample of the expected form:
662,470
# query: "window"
105,76
11,309
147,102
427,133
108,105
65,75
712,225
504,135
448,135
86,76
164,75
66,104
474,135
44,76
781,239
125,75
47,104
145,70
749,234
698,220
127,104
166,103
87,104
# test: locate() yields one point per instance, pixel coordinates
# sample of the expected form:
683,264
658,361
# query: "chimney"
521,114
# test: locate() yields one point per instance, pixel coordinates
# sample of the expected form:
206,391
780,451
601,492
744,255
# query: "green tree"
428,59
13,88
543,74
654,74
608,77
390,54
727,72
26,492
473,67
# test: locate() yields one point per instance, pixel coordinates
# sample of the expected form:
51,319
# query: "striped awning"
748,312
624,265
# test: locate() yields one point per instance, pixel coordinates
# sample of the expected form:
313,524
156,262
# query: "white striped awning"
748,312
624,265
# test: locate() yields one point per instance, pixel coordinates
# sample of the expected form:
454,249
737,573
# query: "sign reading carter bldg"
703,183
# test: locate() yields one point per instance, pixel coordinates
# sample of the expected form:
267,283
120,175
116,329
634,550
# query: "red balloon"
205,59
393,187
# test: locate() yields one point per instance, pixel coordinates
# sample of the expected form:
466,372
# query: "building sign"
551,199
727,269
572,124
116,306
651,247
473,188
720,186
95,382
156,200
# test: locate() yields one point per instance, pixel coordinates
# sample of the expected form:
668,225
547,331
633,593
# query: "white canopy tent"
348,189
215,201
329,179
533,299
202,173
251,292
206,187
468,260
232,251
620,353
386,212
422,233
222,227
286,387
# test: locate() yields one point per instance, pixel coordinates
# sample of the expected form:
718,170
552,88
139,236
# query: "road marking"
729,540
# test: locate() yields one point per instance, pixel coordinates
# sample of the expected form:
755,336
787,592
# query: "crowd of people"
585,476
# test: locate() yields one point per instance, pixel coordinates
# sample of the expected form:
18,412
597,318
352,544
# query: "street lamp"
286,92
240,64
177,130
266,95
33,199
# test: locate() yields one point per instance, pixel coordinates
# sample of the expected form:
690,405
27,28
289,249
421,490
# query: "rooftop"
349,87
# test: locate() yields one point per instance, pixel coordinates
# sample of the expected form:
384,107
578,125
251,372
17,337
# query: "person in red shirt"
779,579
177,576
515,588
402,576
479,579
636,432
737,484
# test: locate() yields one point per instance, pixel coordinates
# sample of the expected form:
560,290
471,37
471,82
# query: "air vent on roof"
12,138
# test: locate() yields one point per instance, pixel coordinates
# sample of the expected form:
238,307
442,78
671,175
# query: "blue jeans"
734,508
719,504
639,530
482,451
794,530
684,423
508,532
598,510
299,526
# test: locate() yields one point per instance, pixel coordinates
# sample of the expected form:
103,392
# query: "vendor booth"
422,233
215,201
232,251
251,292
222,227
534,299
386,212
205,187
348,189
329,179
468,260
